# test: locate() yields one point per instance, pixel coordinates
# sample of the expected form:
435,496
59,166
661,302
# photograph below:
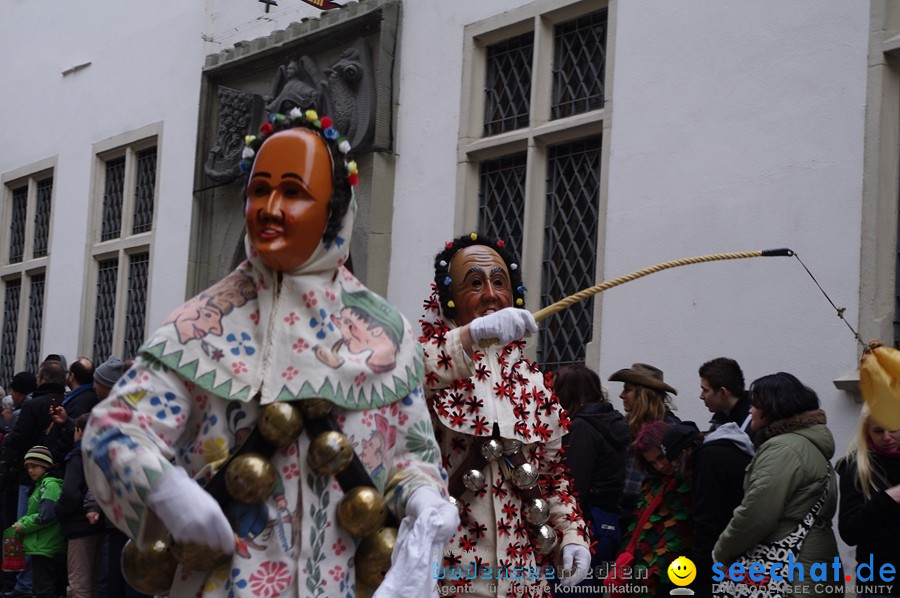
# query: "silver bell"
474,480
492,449
525,476
511,446
536,511
544,539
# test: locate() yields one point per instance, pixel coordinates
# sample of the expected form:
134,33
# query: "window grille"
570,248
35,323
10,330
507,87
137,303
144,190
106,310
17,225
112,199
501,197
42,218
579,65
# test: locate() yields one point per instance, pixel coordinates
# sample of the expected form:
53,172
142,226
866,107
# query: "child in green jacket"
41,534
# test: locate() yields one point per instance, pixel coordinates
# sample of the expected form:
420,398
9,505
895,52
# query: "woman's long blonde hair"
649,406
868,477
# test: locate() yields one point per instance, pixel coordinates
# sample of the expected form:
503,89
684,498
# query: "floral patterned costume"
256,337
665,537
468,397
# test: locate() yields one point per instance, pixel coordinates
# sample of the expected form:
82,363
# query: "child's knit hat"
39,455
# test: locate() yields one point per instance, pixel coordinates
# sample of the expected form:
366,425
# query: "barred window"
26,203
537,172
124,207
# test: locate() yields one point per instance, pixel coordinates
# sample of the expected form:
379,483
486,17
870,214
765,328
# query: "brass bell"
315,408
544,539
362,511
474,480
250,478
536,511
199,557
525,476
151,570
373,557
330,453
280,423
492,449
511,446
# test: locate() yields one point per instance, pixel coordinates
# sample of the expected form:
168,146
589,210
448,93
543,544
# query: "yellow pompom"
312,115
451,304
249,139
473,236
519,302
879,384
351,167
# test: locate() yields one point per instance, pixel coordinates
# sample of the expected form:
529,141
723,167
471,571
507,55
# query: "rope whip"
712,257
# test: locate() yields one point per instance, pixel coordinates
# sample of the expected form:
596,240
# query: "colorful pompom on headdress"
442,270
337,143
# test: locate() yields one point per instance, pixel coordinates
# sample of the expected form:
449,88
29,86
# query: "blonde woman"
645,399
869,515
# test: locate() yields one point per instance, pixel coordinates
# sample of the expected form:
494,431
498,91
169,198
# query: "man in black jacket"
80,379
722,391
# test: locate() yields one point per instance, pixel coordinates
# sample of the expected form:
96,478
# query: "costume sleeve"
857,516
128,443
565,516
445,360
769,483
416,457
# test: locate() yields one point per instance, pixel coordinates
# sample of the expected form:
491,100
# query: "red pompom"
326,121
501,243
265,128
448,245
353,180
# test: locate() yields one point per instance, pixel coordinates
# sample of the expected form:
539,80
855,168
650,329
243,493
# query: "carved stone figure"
235,121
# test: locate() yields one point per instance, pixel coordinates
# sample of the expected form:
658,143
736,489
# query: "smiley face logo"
682,571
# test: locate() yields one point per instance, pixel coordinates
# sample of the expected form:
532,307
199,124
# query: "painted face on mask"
480,283
287,198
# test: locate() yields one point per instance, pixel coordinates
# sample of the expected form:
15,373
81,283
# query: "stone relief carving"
345,91
236,118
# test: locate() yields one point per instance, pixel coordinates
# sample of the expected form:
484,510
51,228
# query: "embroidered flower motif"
338,547
336,573
215,450
330,295
322,322
310,299
255,317
217,354
290,471
239,367
291,318
270,579
300,346
167,406
290,373
245,338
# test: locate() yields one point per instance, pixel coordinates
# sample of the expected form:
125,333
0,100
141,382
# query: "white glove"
429,523
506,325
580,557
189,512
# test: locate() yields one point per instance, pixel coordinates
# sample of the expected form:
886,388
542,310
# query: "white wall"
145,68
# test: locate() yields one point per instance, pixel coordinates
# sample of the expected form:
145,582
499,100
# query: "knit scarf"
312,332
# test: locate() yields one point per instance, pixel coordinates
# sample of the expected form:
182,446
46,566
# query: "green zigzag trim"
189,371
